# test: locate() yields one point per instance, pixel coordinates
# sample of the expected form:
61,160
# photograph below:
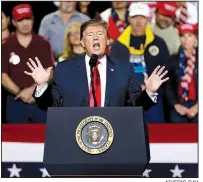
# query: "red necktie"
97,87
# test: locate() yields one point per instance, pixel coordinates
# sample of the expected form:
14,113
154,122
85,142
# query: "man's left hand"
155,80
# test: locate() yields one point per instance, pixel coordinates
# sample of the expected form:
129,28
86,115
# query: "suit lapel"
110,80
82,79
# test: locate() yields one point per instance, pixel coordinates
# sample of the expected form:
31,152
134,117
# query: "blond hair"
68,49
93,22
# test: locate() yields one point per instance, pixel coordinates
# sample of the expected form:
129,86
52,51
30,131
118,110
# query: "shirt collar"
101,60
57,13
31,42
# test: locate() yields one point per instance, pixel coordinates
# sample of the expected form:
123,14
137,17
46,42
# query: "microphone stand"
93,90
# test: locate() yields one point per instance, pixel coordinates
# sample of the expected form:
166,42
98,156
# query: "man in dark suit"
114,82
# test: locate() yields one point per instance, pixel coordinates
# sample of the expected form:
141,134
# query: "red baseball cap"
196,26
167,8
22,11
186,28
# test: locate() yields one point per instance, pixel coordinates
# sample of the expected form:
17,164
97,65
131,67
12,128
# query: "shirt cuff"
153,96
40,90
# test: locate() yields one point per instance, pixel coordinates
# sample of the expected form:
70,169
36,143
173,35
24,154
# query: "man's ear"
108,42
129,19
82,43
8,20
14,22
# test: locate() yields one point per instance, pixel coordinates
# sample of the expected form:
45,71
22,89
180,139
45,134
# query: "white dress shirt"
102,71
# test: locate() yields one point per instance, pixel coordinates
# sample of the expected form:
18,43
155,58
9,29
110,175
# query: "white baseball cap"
139,9
56,3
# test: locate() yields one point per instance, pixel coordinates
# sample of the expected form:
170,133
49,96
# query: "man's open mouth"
96,45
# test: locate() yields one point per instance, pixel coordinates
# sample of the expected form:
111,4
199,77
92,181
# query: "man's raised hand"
38,73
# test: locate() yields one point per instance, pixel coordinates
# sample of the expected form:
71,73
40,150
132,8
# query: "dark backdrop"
42,8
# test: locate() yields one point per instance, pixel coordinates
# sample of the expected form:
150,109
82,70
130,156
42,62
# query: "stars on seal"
94,135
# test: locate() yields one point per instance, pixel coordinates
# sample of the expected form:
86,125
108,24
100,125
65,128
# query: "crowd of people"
147,34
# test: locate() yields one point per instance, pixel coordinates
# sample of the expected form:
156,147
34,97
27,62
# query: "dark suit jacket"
174,74
69,87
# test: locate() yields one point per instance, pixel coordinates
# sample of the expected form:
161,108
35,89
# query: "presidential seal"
94,135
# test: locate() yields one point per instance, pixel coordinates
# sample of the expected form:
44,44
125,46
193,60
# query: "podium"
96,142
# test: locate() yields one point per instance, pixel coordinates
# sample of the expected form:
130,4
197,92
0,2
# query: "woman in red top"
183,95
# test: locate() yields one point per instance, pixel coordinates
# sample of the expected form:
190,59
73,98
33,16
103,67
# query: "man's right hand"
25,95
39,74
182,110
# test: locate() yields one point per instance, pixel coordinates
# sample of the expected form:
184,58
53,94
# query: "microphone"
93,63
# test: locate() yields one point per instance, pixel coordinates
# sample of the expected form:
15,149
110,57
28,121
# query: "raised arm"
48,92
148,97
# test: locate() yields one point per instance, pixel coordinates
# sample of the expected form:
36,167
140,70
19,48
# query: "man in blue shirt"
54,25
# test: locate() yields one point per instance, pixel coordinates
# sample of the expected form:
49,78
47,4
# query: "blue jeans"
156,113
177,118
20,112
